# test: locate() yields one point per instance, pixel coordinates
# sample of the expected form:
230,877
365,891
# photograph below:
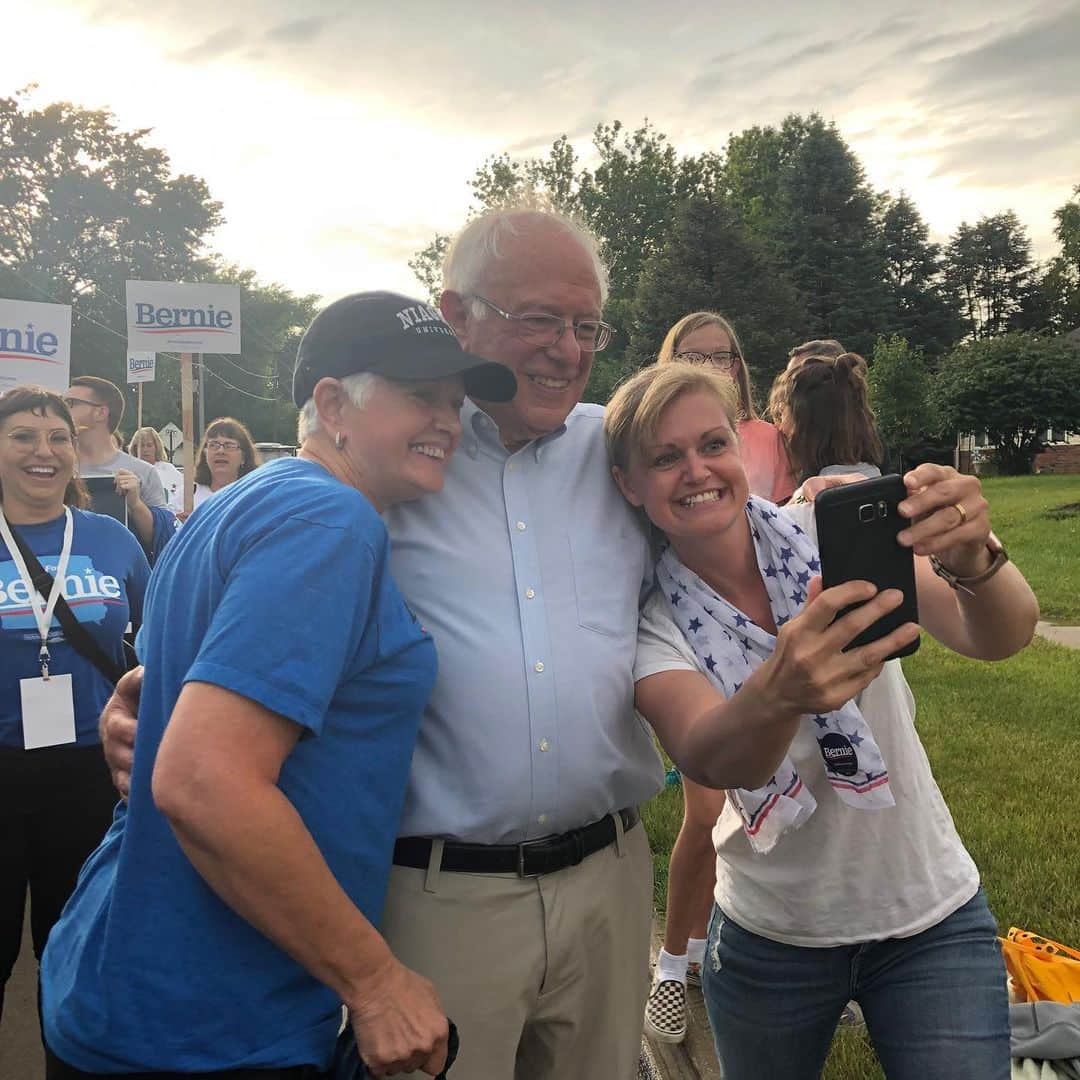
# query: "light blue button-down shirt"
527,569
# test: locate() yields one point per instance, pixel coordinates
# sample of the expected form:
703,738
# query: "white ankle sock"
695,950
670,967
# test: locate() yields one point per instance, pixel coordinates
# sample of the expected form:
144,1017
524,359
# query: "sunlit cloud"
341,139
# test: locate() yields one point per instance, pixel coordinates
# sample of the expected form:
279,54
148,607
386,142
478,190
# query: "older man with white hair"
523,885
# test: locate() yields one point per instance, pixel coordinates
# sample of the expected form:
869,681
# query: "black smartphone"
857,526
105,499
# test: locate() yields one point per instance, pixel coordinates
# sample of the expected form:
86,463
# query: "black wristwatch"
999,556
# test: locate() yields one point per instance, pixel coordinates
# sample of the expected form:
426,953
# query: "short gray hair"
481,243
358,387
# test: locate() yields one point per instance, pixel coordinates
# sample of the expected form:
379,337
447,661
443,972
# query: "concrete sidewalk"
1060,635
21,1056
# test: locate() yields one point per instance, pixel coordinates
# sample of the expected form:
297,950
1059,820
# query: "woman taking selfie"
837,877
70,581
705,337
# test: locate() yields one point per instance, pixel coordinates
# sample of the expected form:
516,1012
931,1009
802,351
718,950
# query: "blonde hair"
136,441
633,414
695,321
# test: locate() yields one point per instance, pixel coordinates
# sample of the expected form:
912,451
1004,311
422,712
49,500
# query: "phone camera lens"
882,509
866,513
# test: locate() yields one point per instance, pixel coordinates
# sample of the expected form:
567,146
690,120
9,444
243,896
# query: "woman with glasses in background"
704,337
227,453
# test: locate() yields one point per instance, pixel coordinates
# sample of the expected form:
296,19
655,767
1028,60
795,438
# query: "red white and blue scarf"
730,645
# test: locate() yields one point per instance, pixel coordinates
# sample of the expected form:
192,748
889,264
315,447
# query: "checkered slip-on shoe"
665,1012
693,973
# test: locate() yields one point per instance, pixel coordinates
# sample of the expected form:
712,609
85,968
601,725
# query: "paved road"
20,1041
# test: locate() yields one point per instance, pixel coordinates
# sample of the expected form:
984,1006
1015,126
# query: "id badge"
48,711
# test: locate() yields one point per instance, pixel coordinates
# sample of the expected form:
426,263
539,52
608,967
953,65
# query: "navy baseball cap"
394,336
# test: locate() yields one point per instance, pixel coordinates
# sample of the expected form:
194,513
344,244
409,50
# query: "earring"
339,441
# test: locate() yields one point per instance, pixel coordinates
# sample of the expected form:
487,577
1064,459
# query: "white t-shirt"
847,875
172,480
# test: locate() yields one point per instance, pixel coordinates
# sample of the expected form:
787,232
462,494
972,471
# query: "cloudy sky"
341,134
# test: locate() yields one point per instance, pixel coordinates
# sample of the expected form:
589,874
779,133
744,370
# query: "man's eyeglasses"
543,331
71,402
222,444
723,358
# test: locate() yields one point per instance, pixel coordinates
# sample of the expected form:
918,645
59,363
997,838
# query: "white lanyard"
43,614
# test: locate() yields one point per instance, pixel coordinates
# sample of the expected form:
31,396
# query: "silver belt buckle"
521,855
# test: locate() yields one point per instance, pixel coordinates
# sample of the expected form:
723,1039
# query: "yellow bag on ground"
1041,969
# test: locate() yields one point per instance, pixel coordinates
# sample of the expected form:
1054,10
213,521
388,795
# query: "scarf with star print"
730,645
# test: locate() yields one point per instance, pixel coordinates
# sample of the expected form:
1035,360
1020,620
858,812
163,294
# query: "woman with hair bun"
822,410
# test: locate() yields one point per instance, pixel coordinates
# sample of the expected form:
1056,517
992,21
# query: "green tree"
754,162
1067,229
1051,302
988,265
801,189
712,262
900,396
85,207
828,234
629,200
1014,387
924,313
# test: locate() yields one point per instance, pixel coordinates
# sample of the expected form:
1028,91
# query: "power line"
246,393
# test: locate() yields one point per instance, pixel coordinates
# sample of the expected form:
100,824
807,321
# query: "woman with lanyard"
59,565
839,872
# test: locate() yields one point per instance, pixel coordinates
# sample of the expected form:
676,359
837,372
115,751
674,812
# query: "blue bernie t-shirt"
104,586
278,589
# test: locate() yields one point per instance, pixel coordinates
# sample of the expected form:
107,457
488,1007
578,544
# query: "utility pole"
202,392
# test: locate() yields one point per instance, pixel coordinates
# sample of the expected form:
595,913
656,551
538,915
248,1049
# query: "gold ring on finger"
963,512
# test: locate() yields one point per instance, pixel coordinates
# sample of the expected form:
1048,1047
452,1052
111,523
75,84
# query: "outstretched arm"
740,742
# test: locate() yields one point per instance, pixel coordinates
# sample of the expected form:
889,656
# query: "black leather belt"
534,857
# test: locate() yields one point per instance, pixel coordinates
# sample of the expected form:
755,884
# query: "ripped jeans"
935,1003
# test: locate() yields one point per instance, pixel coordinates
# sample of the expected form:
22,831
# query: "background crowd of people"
316,812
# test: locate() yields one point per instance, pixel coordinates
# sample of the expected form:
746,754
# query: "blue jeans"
935,1004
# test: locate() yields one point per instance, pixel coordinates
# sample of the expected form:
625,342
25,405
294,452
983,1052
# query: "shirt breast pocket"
607,568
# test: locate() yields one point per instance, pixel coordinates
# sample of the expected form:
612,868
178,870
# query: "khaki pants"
546,978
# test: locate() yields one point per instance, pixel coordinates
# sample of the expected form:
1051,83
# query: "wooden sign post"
188,424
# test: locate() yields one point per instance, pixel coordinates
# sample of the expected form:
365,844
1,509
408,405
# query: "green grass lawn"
1038,520
1003,740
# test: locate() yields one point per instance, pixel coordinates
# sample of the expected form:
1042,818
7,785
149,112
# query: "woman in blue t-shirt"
56,799
234,904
